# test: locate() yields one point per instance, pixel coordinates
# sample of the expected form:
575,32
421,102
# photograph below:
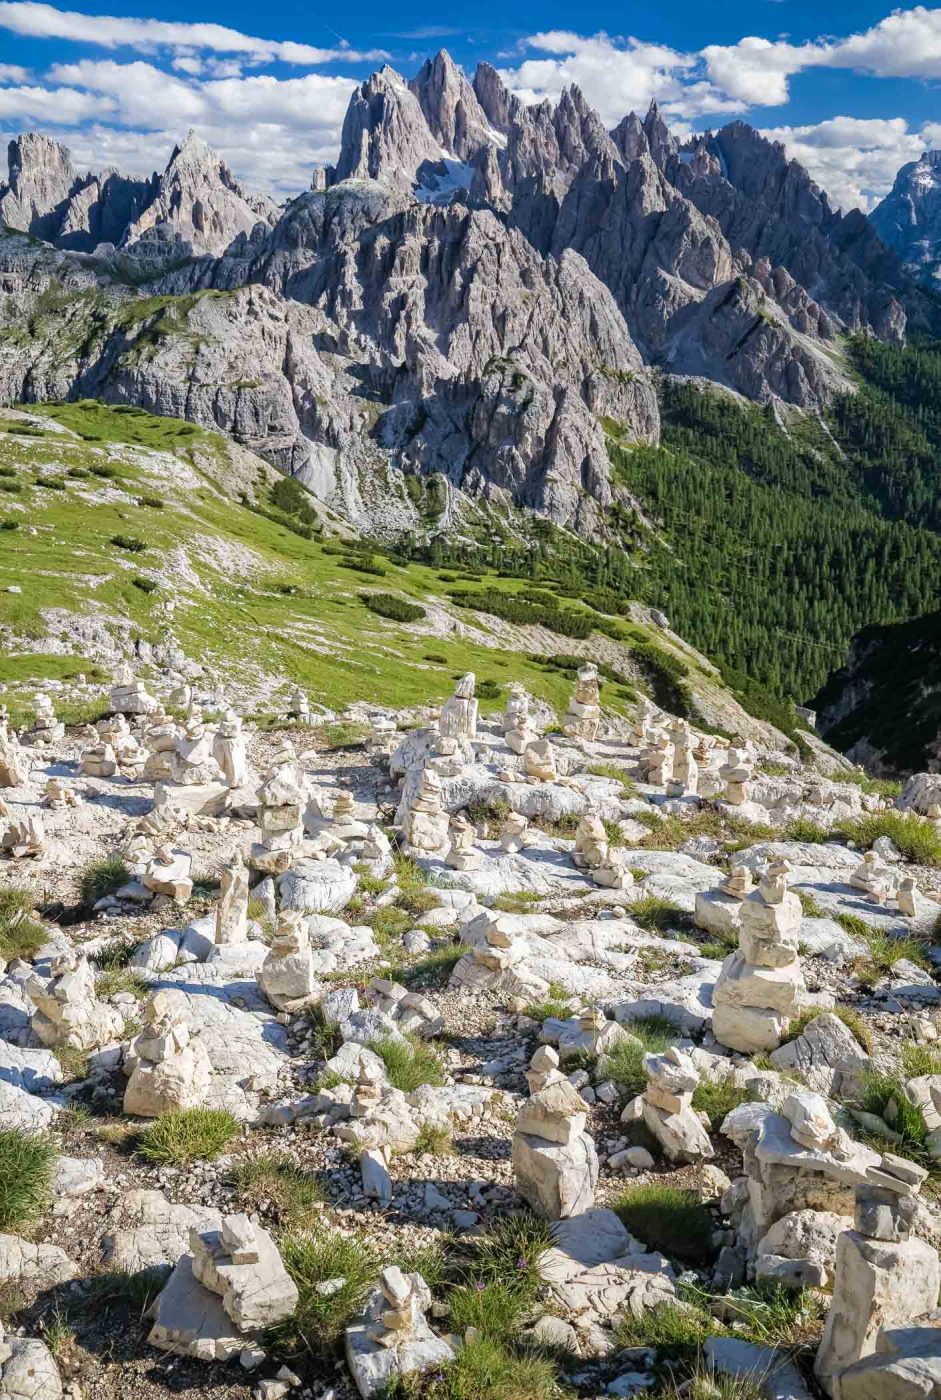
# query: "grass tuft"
669,1219
21,936
319,1319
26,1163
187,1135
275,1179
101,878
409,1062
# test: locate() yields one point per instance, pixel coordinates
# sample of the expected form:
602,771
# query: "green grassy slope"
136,522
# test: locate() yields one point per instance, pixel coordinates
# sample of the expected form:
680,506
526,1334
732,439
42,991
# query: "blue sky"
853,89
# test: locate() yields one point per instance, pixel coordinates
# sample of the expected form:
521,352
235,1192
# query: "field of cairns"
436,1022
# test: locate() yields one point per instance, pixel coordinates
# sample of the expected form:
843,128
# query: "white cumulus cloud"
39,21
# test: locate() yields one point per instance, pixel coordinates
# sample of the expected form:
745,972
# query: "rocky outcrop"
909,218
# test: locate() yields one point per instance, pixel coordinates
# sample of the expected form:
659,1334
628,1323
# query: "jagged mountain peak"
450,106
909,218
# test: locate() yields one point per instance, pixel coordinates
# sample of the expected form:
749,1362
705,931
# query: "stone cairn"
884,1277
47,729
685,776
906,899
658,759
874,878
98,760
736,772
606,865
129,696
760,988
554,1159
539,762
287,976
169,873
194,772
590,1032
800,1171
425,822
668,1107
167,1069
223,1294
299,707
393,1338
513,833
228,750
159,740
644,719
67,1010
59,794
232,908
281,800
14,764
518,732
718,911
462,852
115,734
458,717
23,836
543,1069
584,710
382,736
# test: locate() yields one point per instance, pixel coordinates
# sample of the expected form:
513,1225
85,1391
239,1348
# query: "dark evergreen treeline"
775,547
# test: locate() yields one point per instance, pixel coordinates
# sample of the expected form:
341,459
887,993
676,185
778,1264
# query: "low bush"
129,542
390,606
275,1181
914,837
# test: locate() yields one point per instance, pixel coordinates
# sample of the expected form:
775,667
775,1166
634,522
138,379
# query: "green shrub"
26,1165
803,829
434,1139
9,524
625,1062
657,915
669,1219
187,1135
146,585
488,690
101,878
128,542
388,605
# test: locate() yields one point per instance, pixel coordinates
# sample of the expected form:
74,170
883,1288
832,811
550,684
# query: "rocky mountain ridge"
908,220
477,289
